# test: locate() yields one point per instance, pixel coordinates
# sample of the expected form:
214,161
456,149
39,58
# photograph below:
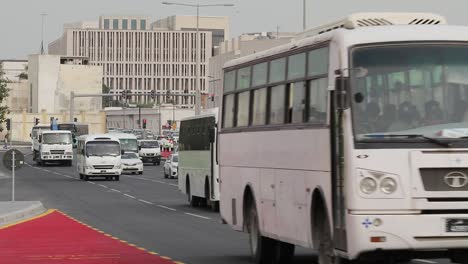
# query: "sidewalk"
13,212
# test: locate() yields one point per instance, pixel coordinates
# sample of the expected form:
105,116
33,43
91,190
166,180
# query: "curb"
12,212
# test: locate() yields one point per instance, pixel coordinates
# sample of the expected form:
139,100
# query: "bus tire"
262,248
323,235
284,253
34,155
192,200
459,256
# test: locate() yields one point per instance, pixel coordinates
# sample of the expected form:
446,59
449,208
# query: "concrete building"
217,25
140,57
12,69
52,78
243,45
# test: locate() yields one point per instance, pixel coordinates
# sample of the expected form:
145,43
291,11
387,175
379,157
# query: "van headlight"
368,185
388,185
89,167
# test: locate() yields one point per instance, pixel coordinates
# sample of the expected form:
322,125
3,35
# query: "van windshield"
109,148
149,144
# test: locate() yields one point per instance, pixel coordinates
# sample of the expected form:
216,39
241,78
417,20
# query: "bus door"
212,132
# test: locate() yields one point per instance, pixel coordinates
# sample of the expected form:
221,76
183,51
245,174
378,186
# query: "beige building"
243,45
141,57
52,78
15,73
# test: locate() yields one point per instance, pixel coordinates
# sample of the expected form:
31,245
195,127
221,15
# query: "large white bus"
198,168
351,140
128,142
99,156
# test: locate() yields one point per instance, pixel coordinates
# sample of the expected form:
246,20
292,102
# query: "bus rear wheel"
260,247
192,200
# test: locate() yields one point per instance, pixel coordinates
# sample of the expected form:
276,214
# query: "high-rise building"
140,57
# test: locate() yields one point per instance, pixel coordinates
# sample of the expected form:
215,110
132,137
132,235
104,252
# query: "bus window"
296,66
243,102
259,107
229,81
228,109
297,103
277,100
243,78
277,70
260,74
318,62
318,100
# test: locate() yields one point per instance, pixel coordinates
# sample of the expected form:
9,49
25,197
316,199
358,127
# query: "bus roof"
349,32
122,135
204,115
98,137
55,132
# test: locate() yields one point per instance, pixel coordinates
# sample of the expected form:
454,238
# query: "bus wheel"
284,253
459,256
193,201
262,248
326,252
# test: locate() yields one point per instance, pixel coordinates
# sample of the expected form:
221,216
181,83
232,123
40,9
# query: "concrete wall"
18,99
43,71
82,79
23,122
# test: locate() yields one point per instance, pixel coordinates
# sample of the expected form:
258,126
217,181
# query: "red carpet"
56,238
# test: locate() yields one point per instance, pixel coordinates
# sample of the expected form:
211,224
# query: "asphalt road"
146,210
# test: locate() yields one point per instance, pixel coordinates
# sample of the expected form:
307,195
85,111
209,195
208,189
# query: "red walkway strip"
56,238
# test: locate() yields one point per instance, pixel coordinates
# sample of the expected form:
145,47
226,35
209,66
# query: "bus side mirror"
139,147
212,135
30,135
122,152
342,93
40,139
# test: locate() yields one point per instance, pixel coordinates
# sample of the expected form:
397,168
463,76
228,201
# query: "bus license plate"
456,225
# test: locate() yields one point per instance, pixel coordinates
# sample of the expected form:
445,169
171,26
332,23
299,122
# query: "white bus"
128,142
198,168
99,156
351,140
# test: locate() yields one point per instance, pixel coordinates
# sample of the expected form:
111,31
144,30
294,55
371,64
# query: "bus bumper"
420,235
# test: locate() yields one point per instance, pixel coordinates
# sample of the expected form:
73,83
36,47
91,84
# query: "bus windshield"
410,90
57,138
100,148
129,144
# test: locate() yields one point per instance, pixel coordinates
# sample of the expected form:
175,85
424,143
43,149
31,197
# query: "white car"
171,166
131,163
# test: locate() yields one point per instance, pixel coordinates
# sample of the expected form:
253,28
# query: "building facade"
52,78
140,57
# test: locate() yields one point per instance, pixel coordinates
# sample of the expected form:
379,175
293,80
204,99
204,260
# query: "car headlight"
68,153
89,167
368,185
388,185
117,167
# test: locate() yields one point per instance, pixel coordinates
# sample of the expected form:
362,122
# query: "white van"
99,156
149,151
53,146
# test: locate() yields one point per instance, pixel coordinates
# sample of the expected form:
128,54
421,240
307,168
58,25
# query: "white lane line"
115,190
128,195
143,201
168,208
199,216
92,182
424,261
173,184
160,182
103,186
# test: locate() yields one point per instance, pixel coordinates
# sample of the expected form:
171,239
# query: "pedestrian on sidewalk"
6,140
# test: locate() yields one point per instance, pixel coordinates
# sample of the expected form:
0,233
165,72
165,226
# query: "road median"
14,212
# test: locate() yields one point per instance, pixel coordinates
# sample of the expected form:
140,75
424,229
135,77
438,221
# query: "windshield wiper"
432,140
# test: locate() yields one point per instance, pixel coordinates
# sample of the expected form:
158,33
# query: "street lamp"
197,87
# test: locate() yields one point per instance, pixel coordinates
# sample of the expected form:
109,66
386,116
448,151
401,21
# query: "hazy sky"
20,20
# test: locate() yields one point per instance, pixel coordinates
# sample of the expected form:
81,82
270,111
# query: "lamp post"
197,85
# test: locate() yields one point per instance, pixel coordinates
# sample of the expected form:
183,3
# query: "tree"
106,101
4,92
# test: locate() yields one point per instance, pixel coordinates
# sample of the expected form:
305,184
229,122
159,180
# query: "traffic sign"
8,159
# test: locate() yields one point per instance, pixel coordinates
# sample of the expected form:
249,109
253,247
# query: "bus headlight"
388,185
368,185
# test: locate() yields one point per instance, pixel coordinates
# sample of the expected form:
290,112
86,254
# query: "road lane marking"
168,208
143,201
424,261
128,195
199,216
115,190
103,186
92,182
174,185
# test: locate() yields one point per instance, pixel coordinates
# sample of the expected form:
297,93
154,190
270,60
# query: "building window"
243,78
106,23
115,24
297,66
277,102
278,70
125,24
260,74
243,103
228,118
318,62
229,81
297,102
142,24
134,24
259,107
318,100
